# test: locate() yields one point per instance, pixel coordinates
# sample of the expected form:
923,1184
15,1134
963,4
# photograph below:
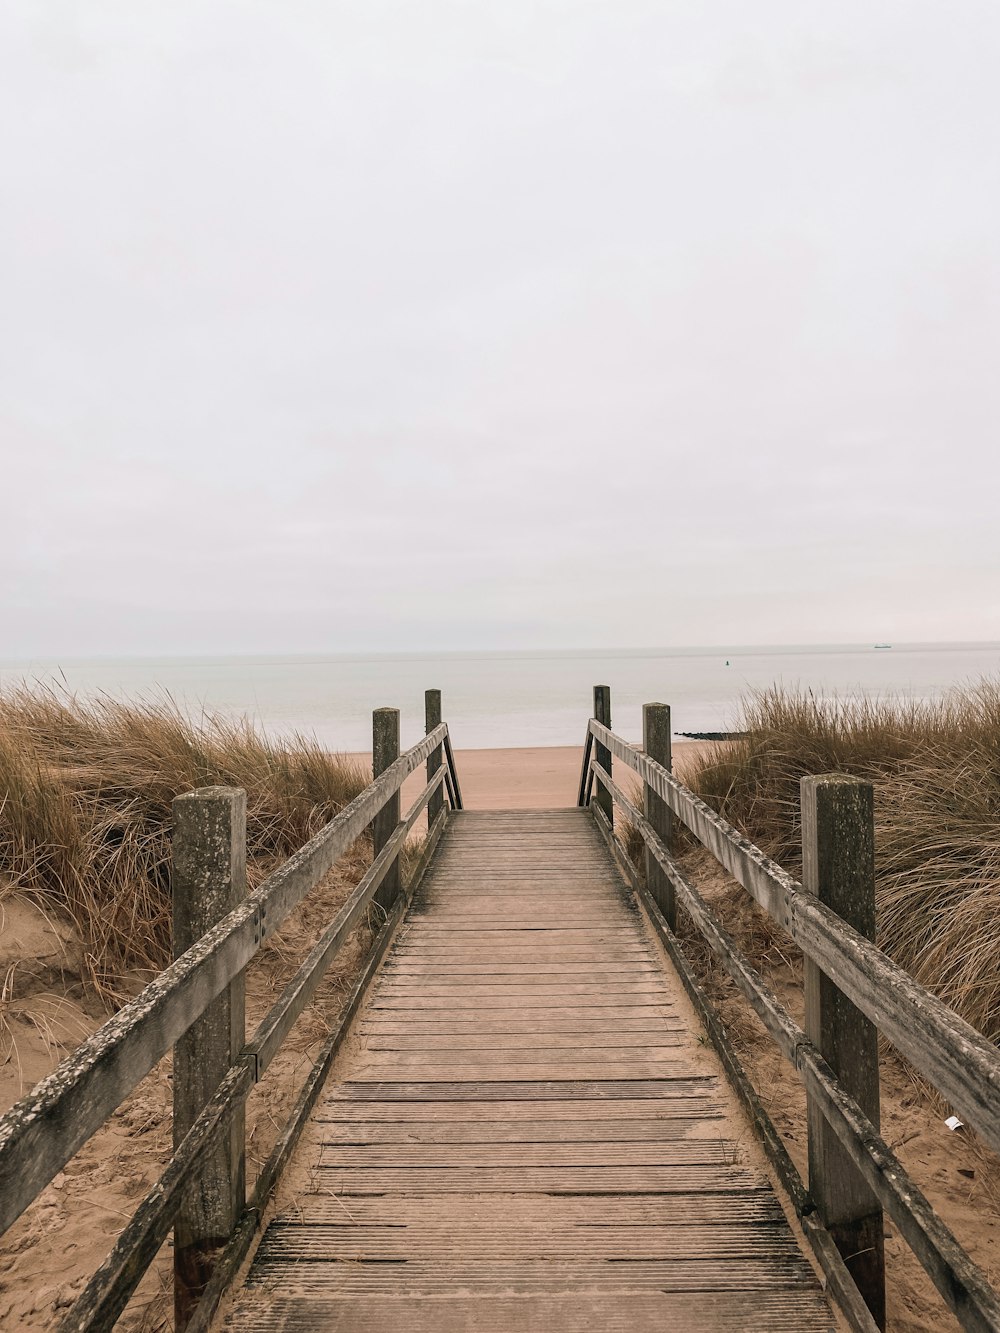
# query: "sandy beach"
537,778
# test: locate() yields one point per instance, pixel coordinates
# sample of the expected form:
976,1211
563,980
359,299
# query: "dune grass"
85,795
936,773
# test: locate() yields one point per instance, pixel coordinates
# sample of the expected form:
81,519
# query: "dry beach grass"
85,920
85,815
935,768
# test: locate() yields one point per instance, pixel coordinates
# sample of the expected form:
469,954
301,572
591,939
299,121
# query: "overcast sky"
378,325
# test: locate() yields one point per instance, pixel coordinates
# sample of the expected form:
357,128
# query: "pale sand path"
539,778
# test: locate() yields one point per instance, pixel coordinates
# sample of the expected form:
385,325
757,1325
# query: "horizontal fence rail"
48,1126
956,1059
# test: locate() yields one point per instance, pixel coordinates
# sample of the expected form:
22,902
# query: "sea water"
506,699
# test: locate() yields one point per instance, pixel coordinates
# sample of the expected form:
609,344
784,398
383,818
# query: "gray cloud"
387,326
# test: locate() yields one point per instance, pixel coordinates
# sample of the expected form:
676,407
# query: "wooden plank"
523,1003
462,1241
679,1097
536,1090
676,1126
374,1070
781,1311
525,1117
507,1041
468,1156
344,1181
470,990
545,1210
562,1022
733,1274
410,971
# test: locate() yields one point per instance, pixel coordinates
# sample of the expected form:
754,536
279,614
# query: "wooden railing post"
432,719
385,751
602,714
838,865
656,742
208,879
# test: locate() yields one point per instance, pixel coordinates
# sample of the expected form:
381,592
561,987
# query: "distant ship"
883,645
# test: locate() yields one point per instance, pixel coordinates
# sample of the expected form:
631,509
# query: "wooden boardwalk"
525,1132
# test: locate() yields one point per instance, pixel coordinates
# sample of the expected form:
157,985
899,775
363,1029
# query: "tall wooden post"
432,719
208,880
385,751
656,742
838,865
602,714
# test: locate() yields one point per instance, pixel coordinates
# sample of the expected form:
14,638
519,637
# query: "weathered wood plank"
525,1113
676,1097
674,1126
464,1241
545,1210
780,1311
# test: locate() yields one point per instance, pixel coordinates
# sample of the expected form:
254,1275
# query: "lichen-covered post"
208,879
385,751
602,755
432,719
838,865
656,742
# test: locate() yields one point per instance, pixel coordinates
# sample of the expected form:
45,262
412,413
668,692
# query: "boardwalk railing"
196,1006
853,991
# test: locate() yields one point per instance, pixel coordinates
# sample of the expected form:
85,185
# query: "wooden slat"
780,1311
661,1127
678,1099
583,1277
506,1041
344,1181
525,1118
466,1156
543,1210
462,1241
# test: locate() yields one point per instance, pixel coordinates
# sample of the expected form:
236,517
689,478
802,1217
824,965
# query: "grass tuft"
85,795
936,773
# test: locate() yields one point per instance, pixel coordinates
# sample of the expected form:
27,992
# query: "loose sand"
529,779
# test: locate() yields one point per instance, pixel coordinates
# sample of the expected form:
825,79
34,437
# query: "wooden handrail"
960,1281
959,1061
43,1130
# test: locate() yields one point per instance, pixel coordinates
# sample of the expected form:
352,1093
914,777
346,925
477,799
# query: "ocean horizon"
513,698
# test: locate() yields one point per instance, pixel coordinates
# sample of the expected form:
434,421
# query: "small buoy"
727,661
